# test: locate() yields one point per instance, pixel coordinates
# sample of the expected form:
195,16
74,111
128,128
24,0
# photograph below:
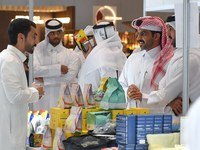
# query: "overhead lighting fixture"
63,20
36,19
112,18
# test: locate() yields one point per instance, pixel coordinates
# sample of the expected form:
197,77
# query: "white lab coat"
171,85
47,62
103,61
138,71
15,96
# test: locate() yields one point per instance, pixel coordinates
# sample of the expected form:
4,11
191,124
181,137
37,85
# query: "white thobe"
105,60
47,64
95,76
138,71
171,84
15,96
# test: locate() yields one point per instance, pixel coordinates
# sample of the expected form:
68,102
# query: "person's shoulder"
40,45
7,57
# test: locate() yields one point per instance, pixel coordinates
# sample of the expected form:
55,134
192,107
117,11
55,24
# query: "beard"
29,48
54,42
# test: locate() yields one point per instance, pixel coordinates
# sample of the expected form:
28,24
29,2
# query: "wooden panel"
6,17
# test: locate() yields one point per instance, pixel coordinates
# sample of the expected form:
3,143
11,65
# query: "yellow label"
69,122
60,99
54,143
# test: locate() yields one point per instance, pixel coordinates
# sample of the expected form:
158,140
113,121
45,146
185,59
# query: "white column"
186,14
31,55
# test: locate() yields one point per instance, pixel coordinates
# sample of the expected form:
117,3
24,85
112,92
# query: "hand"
176,105
64,69
40,79
133,92
85,54
39,88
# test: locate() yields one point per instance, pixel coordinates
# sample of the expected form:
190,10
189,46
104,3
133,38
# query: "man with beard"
169,94
53,64
143,70
15,94
105,59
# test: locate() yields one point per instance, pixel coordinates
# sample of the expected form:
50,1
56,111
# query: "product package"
59,137
47,141
114,98
80,38
88,97
99,93
72,120
97,118
65,100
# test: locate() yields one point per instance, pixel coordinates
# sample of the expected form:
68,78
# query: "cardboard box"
126,129
84,124
85,112
114,113
130,112
58,117
141,110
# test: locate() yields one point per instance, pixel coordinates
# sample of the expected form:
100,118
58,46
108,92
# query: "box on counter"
35,140
130,112
141,147
58,117
97,118
53,131
126,147
85,112
141,110
126,129
114,113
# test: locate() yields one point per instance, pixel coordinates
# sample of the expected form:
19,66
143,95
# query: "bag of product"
97,118
79,123
88,97
47,140
78,97
114,97
72,120
64,100
58,139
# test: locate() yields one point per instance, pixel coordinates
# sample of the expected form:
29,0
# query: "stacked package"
131,130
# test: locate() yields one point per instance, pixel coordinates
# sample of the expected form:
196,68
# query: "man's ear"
157,36
20,37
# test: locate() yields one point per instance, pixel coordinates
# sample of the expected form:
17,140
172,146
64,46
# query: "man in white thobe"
143,70
106,59
15,94
170,88
53,64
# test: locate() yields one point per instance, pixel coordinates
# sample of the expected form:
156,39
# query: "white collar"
56,48
16,51
153,52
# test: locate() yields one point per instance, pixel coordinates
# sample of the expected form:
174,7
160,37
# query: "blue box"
126,147
141,147
125,129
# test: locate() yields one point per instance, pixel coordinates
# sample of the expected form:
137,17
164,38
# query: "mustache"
140,41
56,39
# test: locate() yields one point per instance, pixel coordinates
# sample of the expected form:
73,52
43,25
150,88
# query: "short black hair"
19,26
